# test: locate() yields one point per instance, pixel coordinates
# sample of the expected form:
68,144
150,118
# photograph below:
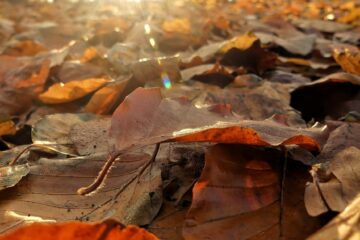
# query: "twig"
105,170
47,147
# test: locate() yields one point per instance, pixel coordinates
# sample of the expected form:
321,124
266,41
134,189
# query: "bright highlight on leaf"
70,91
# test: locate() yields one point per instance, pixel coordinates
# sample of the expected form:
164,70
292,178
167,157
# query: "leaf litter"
201,119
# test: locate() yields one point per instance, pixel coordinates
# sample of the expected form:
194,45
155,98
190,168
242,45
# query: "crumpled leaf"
335,179
70,91
48,193
348,60
238,197
107,230
344,226
11,175
145,117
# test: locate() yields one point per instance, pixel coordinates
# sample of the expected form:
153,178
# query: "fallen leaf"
241,184
54,131
103,101
145,117
342,226
107,230
11,175
332,96
321,25
215,75
14,102
180,25
7,127
348,60
24,48
243,42
255,102
52,184
254,58
72,70
70,91
335,178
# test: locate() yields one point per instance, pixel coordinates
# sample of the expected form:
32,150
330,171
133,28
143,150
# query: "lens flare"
166,80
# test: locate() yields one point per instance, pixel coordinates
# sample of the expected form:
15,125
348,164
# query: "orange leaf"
349,60
178,25
107,230
25,48
70,91
104,99
37,80
242,42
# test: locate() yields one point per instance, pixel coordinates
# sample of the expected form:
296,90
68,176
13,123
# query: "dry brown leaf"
335,179
70,91
238,197
344,226
106,230
48,193
102,102
145,117
55,131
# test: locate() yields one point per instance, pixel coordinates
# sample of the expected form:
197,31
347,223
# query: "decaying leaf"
70,91
106,230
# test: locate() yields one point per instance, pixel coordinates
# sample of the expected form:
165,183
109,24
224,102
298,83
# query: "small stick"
106,168
100,178
13,162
